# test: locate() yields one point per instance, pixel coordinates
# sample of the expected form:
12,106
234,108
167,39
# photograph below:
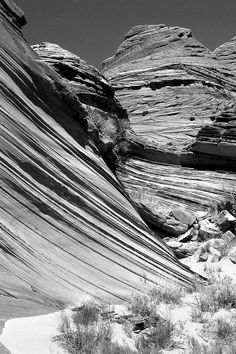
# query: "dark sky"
93,29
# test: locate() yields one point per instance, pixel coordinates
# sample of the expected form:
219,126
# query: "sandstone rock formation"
180,99
66,228
226,54
107,120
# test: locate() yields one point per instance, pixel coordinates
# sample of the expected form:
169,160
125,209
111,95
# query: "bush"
225,330
220,293
84,331
145,305
156,338
216,347
141,305
168,295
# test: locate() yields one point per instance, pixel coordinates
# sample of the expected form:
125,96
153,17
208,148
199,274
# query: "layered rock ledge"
180,99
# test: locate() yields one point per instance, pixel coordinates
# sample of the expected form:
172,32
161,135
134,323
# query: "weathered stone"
212,248
184,217
182,250
208,230
174,226
232,255
200,215
203,257
186,236
215,255
224,220
228,236
174,244
189,248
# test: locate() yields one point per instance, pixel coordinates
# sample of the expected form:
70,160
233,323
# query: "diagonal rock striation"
67,230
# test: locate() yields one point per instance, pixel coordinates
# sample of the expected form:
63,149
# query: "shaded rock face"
66,229
107,120
180,99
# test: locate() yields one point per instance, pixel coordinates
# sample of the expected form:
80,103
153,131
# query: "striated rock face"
180,99
226,54
66,228
107,120
170,84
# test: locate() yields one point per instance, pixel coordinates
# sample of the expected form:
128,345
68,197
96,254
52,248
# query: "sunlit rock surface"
107,121
226,54
180,99
66,229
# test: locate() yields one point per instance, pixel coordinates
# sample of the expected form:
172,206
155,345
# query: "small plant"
84,331
141,305
220,293
156,338
215,347
168,295
194,347
225,330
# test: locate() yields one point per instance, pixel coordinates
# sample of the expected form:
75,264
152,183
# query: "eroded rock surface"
226,54
180,99
107,121
170,84
66,229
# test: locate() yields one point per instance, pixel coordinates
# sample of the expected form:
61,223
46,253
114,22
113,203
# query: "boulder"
208,230
184,217
203,257
232,255
182,250
214,255
228,236
187,235
224,220
200,215
209,250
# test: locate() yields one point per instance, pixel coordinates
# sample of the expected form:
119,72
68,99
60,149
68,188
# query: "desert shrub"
145,305
220,293
224,330
156,338
141,305
194,347
84,331
168,295
88,313
216,347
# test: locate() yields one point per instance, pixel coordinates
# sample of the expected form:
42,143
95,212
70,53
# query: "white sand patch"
31,335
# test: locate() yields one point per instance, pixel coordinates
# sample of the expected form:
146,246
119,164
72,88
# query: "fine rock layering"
67,228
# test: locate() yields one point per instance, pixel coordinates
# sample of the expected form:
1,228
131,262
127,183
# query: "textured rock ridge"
226,54
12,13
66,229
180,99
170,84
107,120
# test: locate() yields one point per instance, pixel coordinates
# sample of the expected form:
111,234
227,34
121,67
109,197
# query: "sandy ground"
31,335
